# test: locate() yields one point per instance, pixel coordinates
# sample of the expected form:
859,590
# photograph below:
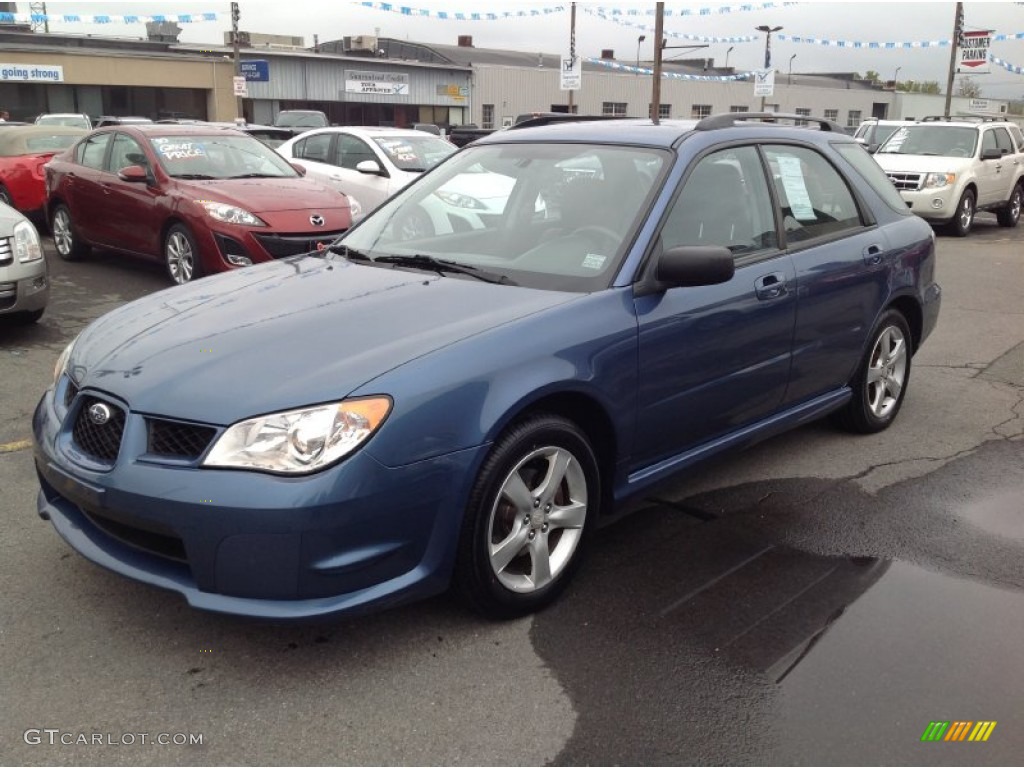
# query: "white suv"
947,169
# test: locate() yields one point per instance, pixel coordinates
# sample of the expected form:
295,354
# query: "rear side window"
1003,141
1017,137
815,199
93,150
316,148
873,174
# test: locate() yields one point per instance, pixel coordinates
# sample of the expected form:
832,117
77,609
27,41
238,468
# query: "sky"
864,21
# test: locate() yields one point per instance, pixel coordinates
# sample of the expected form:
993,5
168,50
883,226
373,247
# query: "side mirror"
371,167
299,169
872,148
694,265
992,153
134,173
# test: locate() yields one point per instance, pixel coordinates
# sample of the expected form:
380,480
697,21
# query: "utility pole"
659,44
767,49
958,28
236,14
572,51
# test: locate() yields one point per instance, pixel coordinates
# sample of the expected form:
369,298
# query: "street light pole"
791,69
727,58
235,16
638,41
767,49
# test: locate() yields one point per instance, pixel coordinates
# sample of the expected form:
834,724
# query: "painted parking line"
17,445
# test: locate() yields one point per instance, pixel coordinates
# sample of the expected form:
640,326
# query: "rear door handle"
873,255
771,286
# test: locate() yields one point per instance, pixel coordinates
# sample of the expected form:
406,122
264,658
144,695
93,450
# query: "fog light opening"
239,261
937,202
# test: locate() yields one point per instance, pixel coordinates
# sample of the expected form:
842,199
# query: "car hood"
8,218
922,163
267,195
283,335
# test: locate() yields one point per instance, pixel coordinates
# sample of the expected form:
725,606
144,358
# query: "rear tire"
65,238
528,518
1009,215
881,380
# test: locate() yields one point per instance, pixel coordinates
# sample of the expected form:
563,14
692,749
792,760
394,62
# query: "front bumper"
24,287
934,205
356,536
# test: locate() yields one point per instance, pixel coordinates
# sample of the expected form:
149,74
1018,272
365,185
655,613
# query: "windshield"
301,120
939,140
75,121
219,157
552,216
415,153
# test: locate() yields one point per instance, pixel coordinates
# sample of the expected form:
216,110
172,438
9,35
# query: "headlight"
62,361
27,246
302,441
936,180
460,200
355,209
230,214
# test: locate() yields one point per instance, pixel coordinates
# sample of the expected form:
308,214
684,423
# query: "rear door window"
94,150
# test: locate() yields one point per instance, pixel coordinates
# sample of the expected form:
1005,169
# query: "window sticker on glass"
796,190
594,261
181,150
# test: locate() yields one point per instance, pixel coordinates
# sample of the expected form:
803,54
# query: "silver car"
24,282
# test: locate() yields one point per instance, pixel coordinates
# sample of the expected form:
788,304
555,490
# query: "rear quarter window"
873,174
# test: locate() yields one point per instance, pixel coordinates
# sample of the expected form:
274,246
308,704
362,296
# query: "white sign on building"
764,82
241,86
376,83
571,78
31,73
978,105
973,52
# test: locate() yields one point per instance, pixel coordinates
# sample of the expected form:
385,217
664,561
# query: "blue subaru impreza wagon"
444,399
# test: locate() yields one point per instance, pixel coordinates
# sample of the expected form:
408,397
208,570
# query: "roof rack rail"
534,122
960,119
730,119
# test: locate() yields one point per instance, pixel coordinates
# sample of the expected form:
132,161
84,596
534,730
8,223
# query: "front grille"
6,250
173,438
101,441
160,544
280,246
905,180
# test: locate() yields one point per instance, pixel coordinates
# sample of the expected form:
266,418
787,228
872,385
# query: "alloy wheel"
887,372
180,257
63,239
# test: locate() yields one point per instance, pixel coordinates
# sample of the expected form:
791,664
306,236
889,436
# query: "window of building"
815,199
613,108
853,118
771,107
698,111
664,111
832,114
488,118
739,108
803,112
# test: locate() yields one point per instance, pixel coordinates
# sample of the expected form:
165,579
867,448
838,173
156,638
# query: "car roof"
168,129
14,140
367,131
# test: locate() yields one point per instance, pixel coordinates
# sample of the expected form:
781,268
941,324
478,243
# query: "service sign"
376,83
973,53
256,70
764,82
572,73
31,73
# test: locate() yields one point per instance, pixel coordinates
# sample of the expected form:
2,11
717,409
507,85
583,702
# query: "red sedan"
24,150
201,199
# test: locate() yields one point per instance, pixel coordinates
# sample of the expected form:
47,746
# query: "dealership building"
370,80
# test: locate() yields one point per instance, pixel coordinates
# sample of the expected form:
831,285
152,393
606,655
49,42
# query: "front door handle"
873,255
773,286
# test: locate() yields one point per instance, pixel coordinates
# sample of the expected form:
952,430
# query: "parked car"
299,121
873,132
427,128
947,170
24,152
105,120
70,119
201,199
355,428
370,163
24,282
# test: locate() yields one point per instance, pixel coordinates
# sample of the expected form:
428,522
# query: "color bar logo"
958,730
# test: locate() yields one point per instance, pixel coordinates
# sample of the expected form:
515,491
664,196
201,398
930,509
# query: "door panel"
131,220
85,198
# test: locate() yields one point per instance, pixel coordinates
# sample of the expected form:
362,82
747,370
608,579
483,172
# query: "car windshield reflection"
219,157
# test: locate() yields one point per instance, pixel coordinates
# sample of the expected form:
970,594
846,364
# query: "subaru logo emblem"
316,220
99,413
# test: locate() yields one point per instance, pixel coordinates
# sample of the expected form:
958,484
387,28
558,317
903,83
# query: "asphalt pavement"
819,599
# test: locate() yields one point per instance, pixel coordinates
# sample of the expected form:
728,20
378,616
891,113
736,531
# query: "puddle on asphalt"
801,622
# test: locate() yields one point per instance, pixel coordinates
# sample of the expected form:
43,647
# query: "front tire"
65,238
181,255
527,520
1009,215
963,220
880,383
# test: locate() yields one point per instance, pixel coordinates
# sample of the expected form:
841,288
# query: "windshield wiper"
349,253
420,261
198,176
255,176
